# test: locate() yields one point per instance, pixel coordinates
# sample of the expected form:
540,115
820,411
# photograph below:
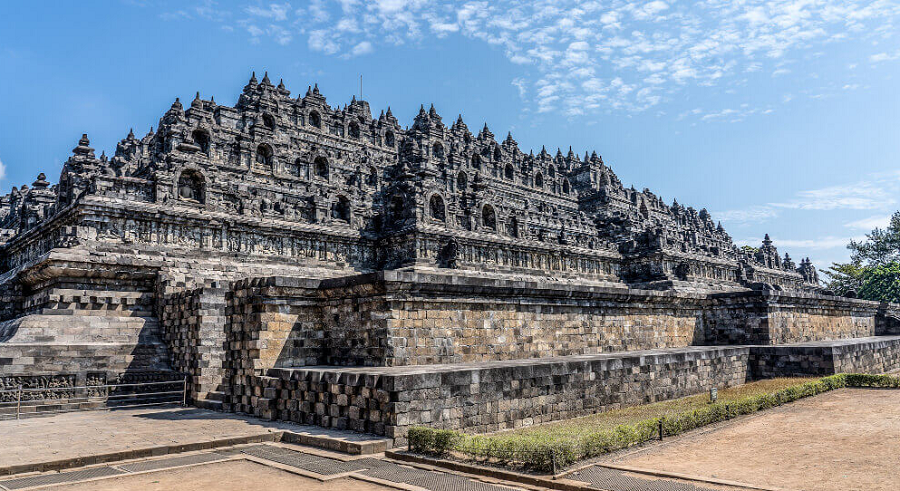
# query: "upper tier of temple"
428,192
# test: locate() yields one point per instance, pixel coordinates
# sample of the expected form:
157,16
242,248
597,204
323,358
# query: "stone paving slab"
129,433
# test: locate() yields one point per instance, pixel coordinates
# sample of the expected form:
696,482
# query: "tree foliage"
873,272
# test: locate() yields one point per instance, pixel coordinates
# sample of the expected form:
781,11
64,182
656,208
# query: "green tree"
881,283
882,246
874,268
844,277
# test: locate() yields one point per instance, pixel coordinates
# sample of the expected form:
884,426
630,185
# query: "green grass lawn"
609,420
551,446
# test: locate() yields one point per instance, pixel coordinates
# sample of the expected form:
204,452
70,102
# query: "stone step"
53,358
209,404
38,328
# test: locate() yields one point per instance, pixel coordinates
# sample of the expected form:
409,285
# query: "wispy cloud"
876,192
870,223
588,57
821,243
866,194
2,171
747,215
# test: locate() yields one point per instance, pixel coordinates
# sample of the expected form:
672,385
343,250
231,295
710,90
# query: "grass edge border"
552,456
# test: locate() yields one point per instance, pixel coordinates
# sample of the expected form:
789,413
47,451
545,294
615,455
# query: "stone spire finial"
131,134
316,89
309,90
388,114
196,102
459,119
253,78
84,147
281,84
265,80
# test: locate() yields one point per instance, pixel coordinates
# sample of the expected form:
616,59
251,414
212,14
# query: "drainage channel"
616,480
370,467
71,477
323,466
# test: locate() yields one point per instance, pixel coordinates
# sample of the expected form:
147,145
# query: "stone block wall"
485,397
774,317
406,318
866,355
194,330
269,322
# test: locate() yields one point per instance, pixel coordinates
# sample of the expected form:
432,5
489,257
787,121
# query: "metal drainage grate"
60,478
152,465
313,463
439,481
396,473
615,480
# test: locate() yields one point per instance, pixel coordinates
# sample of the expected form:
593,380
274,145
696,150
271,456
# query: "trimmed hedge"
547,455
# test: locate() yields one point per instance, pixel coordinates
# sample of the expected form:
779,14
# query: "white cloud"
2,171
520,84
362,48
747,215
820,243
870,223
275,11
666,47
320,40
880,57
867,194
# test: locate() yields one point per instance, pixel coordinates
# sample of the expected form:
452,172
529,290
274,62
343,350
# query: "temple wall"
454,330
772,317
486,397
194,330
865,355
406,318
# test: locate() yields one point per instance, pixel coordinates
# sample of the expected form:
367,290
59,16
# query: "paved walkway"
73,435
841,440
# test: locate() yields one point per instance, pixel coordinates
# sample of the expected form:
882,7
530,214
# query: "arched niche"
191,186
489,217
436,207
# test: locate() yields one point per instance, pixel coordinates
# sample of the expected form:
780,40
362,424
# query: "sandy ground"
237,475
843,440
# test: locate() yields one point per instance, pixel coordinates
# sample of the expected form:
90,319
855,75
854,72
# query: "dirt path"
842,440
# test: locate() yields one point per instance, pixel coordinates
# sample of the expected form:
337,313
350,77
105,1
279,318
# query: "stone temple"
311,263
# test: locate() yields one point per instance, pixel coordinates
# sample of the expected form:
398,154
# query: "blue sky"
780,117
